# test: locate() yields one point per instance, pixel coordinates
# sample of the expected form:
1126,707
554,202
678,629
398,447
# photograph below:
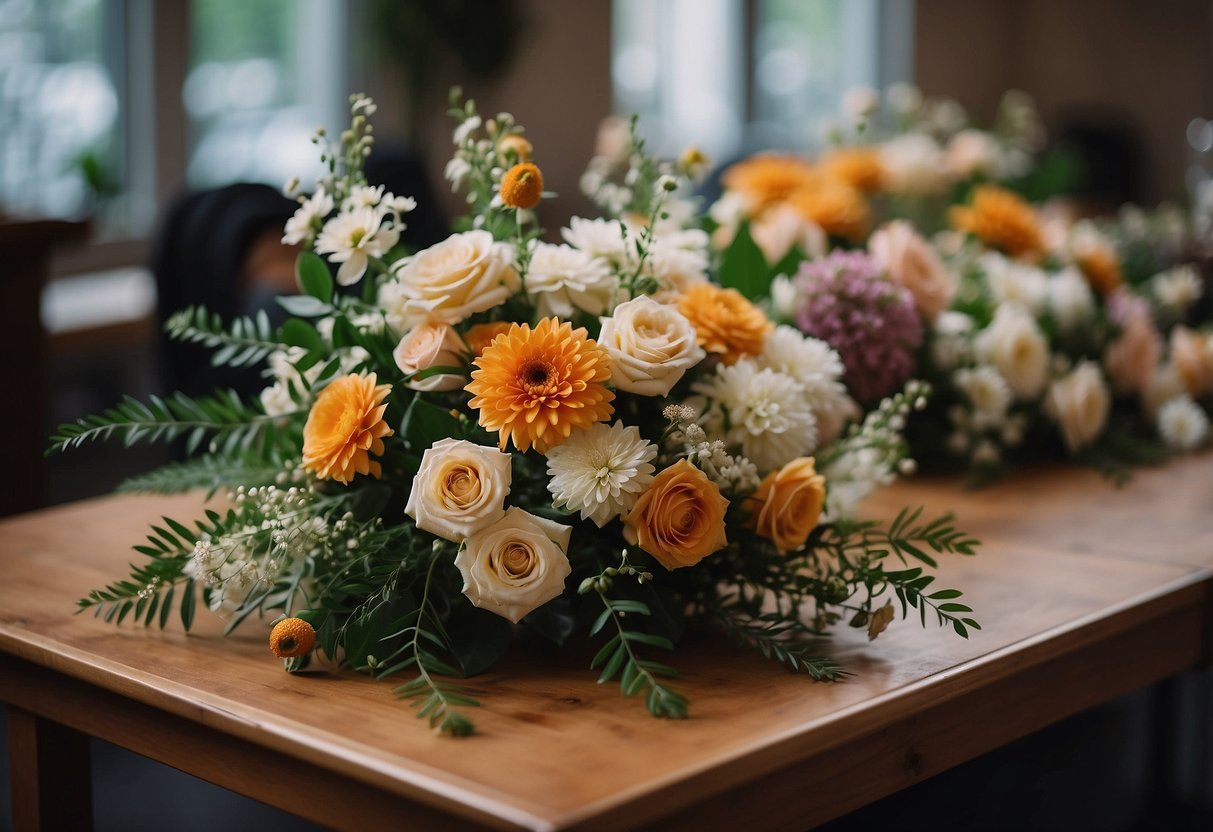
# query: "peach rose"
460,489
1132,358
464,274
787,505
680,518
1192,355
1079,403
432,345
911,262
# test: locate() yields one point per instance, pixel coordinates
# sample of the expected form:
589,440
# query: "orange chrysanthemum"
858,167
726,323
522,186
769,179
1002,220
1101,268
480,336
535,386
837,208
291,638
344,427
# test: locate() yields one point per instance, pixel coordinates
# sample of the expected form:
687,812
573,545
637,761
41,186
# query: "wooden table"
1075,575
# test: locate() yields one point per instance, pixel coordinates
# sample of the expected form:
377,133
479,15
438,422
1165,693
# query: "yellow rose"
787,505
680,518
432,345
460,489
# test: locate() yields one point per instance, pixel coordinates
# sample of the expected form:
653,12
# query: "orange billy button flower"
480,336
536,386
291,638
522,186
1002,220
679,519
726,324
344,427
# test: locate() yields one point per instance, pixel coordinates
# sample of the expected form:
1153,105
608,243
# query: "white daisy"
765,412
562,280
601,471
308,216
1182,424
362,196
352,237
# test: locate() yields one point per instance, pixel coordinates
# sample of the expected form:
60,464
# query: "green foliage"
744,267
779,638
313,276
243,343
211,472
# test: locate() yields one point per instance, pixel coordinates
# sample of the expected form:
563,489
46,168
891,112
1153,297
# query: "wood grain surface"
1062,601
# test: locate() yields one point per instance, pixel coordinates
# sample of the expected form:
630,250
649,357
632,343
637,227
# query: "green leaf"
299,333
425,423
476,638
744,267
304,306
314,277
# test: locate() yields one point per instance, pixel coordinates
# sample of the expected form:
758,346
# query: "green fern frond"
242,343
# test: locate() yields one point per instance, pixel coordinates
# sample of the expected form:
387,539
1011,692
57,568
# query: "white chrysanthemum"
1177,288
598,238
307,216
988,392
852,476
601,471
1182,424
352,237
1070,299
766,412
1013,282
562,280
813,365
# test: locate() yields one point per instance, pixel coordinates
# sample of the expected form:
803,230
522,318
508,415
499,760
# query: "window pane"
58,107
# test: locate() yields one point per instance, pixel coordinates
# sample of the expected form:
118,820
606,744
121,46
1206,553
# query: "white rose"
464,274
1079,403
1016,347
460,488
515,565
911,262
651,346
432,345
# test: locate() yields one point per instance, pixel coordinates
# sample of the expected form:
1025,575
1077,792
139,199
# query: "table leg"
50,773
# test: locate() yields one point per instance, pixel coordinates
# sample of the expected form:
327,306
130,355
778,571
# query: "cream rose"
460,488
1015,346
432,345
1192,355
1079,403
464,274
911,262
515,565
787,505
651,346
1132,359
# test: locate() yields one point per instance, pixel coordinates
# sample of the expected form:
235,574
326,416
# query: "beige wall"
1147,60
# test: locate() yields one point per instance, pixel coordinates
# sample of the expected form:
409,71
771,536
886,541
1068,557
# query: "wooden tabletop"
1075,576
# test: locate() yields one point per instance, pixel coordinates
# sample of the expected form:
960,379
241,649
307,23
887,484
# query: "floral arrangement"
501,432
1042,334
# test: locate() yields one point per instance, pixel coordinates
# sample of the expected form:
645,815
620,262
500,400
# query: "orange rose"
680,518
787,505
725,322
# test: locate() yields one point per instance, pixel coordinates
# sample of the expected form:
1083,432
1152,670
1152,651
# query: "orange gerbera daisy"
535,386
858,167
344,427
769,179
1002,220
834,206
725,322
480,336
522,186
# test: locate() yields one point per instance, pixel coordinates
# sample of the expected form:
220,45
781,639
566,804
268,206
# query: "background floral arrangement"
1042,334
500,431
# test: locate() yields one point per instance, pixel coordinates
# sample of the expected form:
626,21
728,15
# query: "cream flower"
1165,385
765,412
432,345
1177,288
778,230
951,339
464,274
974,153
910,261
460,488
1011,281
1016,347
562,280
600,471
307,218
1192,355
1182,424
1079,403
1070,299
516,565
1132,359
351,238
598,238
817,370
986,390
651,346
913,164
